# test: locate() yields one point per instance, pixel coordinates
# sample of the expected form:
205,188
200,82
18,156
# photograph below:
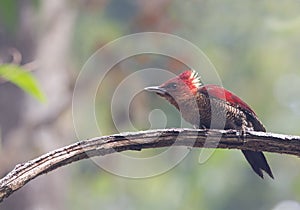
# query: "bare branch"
100,146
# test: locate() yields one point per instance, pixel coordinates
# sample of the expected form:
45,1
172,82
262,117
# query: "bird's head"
179,88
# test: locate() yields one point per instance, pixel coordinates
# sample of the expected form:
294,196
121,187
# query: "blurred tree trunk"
29,125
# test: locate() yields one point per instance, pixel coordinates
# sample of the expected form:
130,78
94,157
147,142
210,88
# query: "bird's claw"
242,134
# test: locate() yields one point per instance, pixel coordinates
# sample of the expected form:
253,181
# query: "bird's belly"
214,115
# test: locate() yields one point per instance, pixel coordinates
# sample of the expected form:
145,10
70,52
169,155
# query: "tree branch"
100,146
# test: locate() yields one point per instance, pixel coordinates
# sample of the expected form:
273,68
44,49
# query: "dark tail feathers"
258,162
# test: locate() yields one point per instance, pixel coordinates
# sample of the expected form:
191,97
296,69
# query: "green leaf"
22,79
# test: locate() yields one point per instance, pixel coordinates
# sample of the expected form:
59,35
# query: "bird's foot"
242,134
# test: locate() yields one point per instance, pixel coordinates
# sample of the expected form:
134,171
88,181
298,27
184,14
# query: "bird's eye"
172,85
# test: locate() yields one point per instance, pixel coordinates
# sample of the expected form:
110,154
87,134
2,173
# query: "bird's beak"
156,89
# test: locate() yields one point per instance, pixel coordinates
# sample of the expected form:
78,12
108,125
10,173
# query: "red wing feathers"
225,95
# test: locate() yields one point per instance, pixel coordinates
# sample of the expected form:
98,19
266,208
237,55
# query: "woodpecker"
212,106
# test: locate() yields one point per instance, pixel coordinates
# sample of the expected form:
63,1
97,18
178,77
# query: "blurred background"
254,46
